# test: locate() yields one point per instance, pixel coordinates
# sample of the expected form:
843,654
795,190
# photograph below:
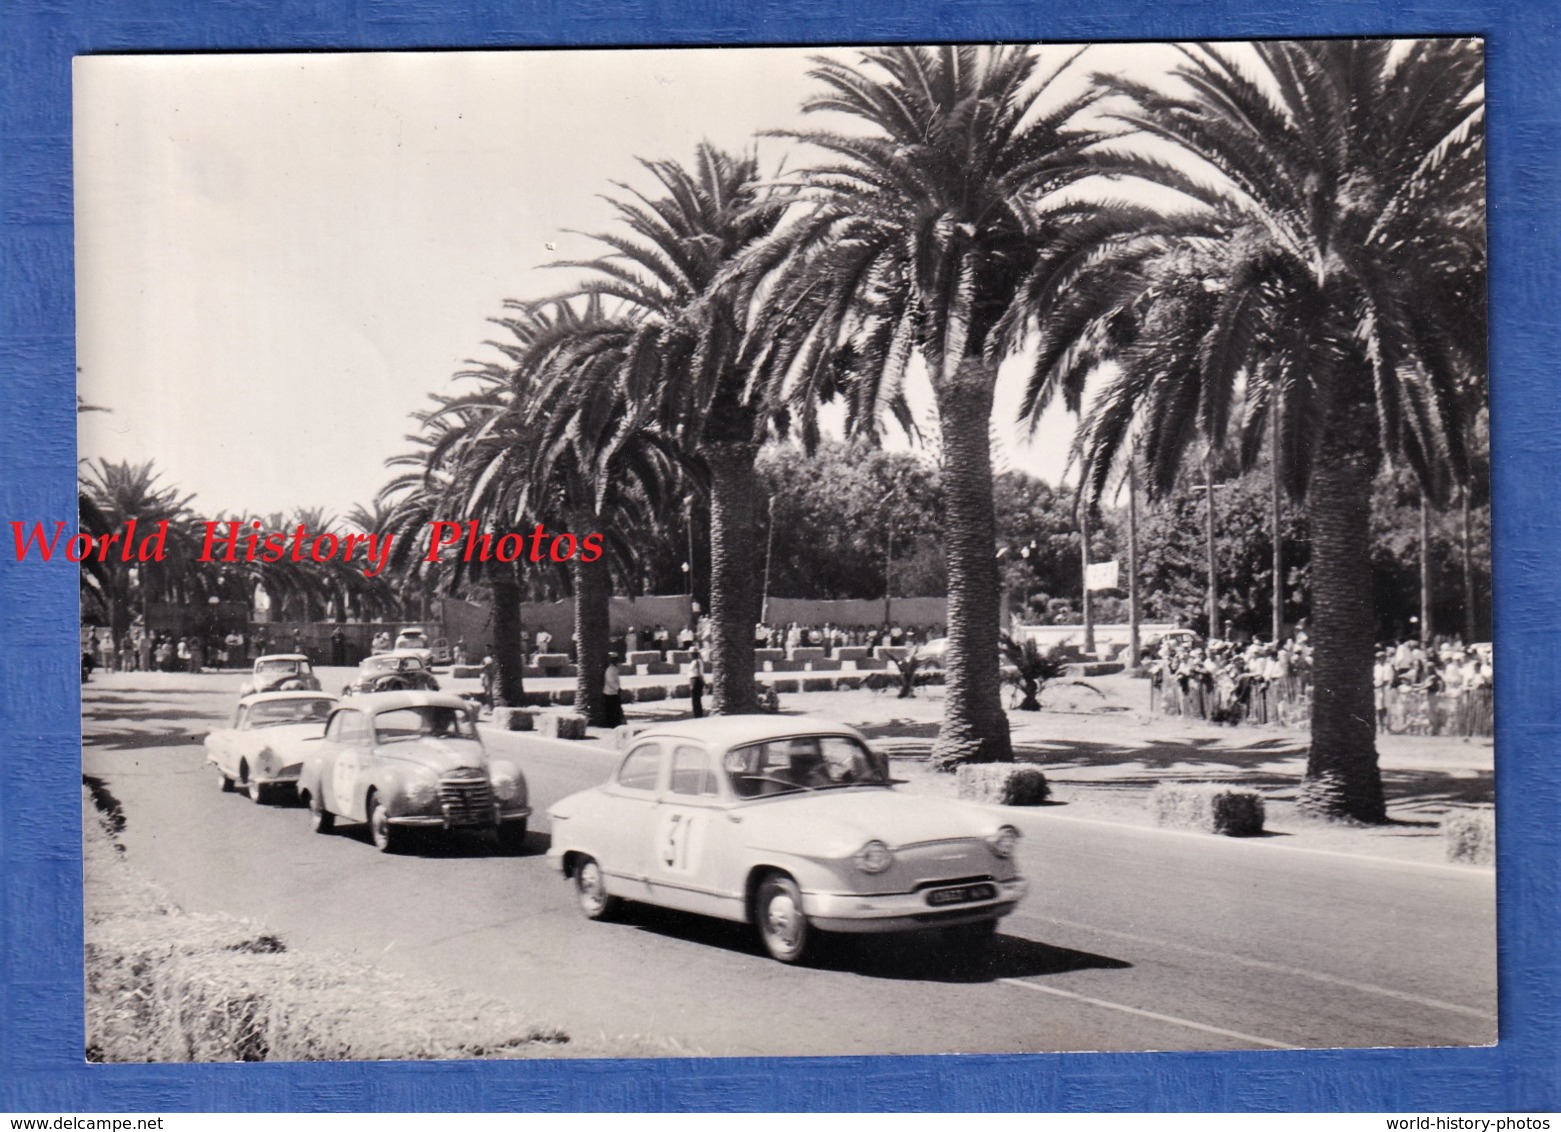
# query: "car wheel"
258,793
512,836
224,783
387,838
591,891
321,820
783,927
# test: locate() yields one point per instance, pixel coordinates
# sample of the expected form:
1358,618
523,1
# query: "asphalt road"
1131,938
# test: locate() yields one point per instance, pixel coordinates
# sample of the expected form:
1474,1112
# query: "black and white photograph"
771,552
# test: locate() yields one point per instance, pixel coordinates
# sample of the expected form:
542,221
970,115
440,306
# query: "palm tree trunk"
974,728
1342,778
734,607
593,618
506,642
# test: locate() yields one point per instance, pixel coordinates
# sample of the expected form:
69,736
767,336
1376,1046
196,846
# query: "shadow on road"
909,957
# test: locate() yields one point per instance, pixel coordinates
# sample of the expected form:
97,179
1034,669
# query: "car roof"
389,701
739,730
281,656
273,697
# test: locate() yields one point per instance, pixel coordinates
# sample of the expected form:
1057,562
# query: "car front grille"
466,800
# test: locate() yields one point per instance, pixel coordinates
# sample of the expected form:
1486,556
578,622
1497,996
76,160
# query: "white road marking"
1167,1018
1277,968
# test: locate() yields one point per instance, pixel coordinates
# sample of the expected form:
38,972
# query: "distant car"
403,761
412,639
792,825
392,672
281,672
262,749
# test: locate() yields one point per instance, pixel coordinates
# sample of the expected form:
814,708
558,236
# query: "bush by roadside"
1208,807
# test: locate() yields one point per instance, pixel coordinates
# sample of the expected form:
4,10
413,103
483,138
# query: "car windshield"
277,712
391,664
270,666
810,762
423,722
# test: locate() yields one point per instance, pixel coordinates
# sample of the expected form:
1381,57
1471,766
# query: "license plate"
964,894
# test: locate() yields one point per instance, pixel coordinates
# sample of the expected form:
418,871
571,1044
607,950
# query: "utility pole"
1425,570
1279,550
769,546
1089,615
1470,625
1132,561
1214,589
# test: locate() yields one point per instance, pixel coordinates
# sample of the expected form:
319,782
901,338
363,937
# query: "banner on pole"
1101,575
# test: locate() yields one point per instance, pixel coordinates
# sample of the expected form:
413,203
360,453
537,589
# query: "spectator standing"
612,693
696,683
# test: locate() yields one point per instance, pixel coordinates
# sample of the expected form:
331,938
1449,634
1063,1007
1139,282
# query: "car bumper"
904,911
452,819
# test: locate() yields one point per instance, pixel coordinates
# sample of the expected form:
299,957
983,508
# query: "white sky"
279,257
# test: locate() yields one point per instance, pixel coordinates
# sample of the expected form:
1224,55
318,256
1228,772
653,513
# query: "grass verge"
167,985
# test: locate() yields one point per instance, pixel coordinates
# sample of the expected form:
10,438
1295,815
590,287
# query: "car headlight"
421,792
874,857
506,785
1004,842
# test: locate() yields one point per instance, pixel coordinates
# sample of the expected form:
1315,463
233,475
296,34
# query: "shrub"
878,681
818,684
562,697
513,719
1208,807
845,683
1006,784
1470,836
561,725
649,692
785,687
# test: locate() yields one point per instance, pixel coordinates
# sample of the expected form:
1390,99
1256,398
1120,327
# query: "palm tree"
921,236
689,362
111,495
1329,261
465,464
593,454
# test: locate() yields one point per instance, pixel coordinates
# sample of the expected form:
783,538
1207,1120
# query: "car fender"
811,875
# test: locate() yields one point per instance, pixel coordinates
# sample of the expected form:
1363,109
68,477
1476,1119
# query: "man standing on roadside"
696,682
612,693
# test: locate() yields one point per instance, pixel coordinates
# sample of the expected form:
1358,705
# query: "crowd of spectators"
142,650
1443,688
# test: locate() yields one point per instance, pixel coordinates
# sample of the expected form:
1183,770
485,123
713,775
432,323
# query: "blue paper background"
41,1066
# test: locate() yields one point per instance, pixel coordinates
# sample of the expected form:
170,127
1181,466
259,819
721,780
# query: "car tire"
512,836
591,891
258,793
782,925
224,783
386,837
321,820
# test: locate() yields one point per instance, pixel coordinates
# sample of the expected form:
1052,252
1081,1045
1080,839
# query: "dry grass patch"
164,985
